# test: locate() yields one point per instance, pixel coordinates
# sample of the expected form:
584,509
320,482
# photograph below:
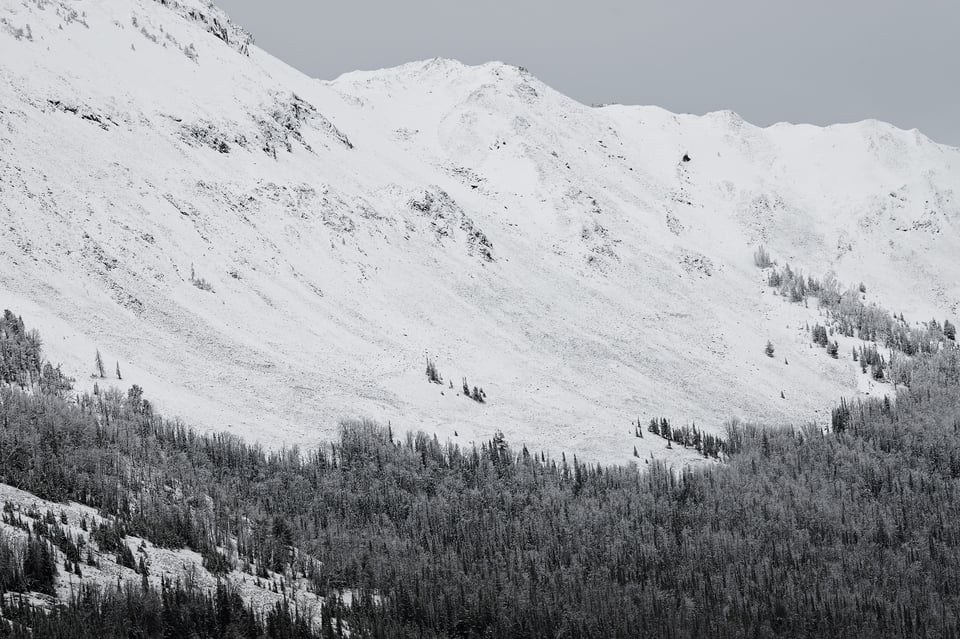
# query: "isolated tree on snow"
98,362
119,376
769,349
762,259
433,374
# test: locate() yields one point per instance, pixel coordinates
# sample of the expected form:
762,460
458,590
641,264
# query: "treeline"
799,533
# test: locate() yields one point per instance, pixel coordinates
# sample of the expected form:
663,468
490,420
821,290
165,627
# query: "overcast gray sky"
819,61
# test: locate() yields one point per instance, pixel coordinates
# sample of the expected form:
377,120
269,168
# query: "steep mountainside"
269,253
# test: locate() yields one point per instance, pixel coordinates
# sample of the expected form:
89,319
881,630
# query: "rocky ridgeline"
215,21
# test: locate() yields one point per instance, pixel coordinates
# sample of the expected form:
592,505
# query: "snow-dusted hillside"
565,258
101,568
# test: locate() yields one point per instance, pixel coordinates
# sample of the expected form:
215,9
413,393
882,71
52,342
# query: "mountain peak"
435,70
269,252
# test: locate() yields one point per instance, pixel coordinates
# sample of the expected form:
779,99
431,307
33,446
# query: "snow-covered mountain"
268,253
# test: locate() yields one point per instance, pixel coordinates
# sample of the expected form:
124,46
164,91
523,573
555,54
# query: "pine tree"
433,374
878,372
769,349
98,362
832,349
39,566
949,330
665,430
654,426
761,258
119,376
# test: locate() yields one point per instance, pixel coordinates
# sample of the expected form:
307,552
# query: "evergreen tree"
761,258
39,566
433,375
98,364
769,350
654,426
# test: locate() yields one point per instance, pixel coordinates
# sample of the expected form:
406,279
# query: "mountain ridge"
565,258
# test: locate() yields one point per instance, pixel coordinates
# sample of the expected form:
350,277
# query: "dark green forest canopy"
798,533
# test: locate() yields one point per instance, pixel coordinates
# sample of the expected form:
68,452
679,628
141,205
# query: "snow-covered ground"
565,258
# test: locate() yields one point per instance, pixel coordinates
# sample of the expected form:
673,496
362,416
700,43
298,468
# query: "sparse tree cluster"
848,315
761,258
687,436
433,375
476,394
199,282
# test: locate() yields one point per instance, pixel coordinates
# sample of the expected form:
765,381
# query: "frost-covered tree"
762,258
768,349
433,374
832,349
98,364
949,330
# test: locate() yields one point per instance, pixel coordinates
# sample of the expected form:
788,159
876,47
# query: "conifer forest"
849,531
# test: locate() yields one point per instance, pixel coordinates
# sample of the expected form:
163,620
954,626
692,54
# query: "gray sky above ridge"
817,61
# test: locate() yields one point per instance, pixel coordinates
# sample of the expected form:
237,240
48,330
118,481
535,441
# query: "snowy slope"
564,258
